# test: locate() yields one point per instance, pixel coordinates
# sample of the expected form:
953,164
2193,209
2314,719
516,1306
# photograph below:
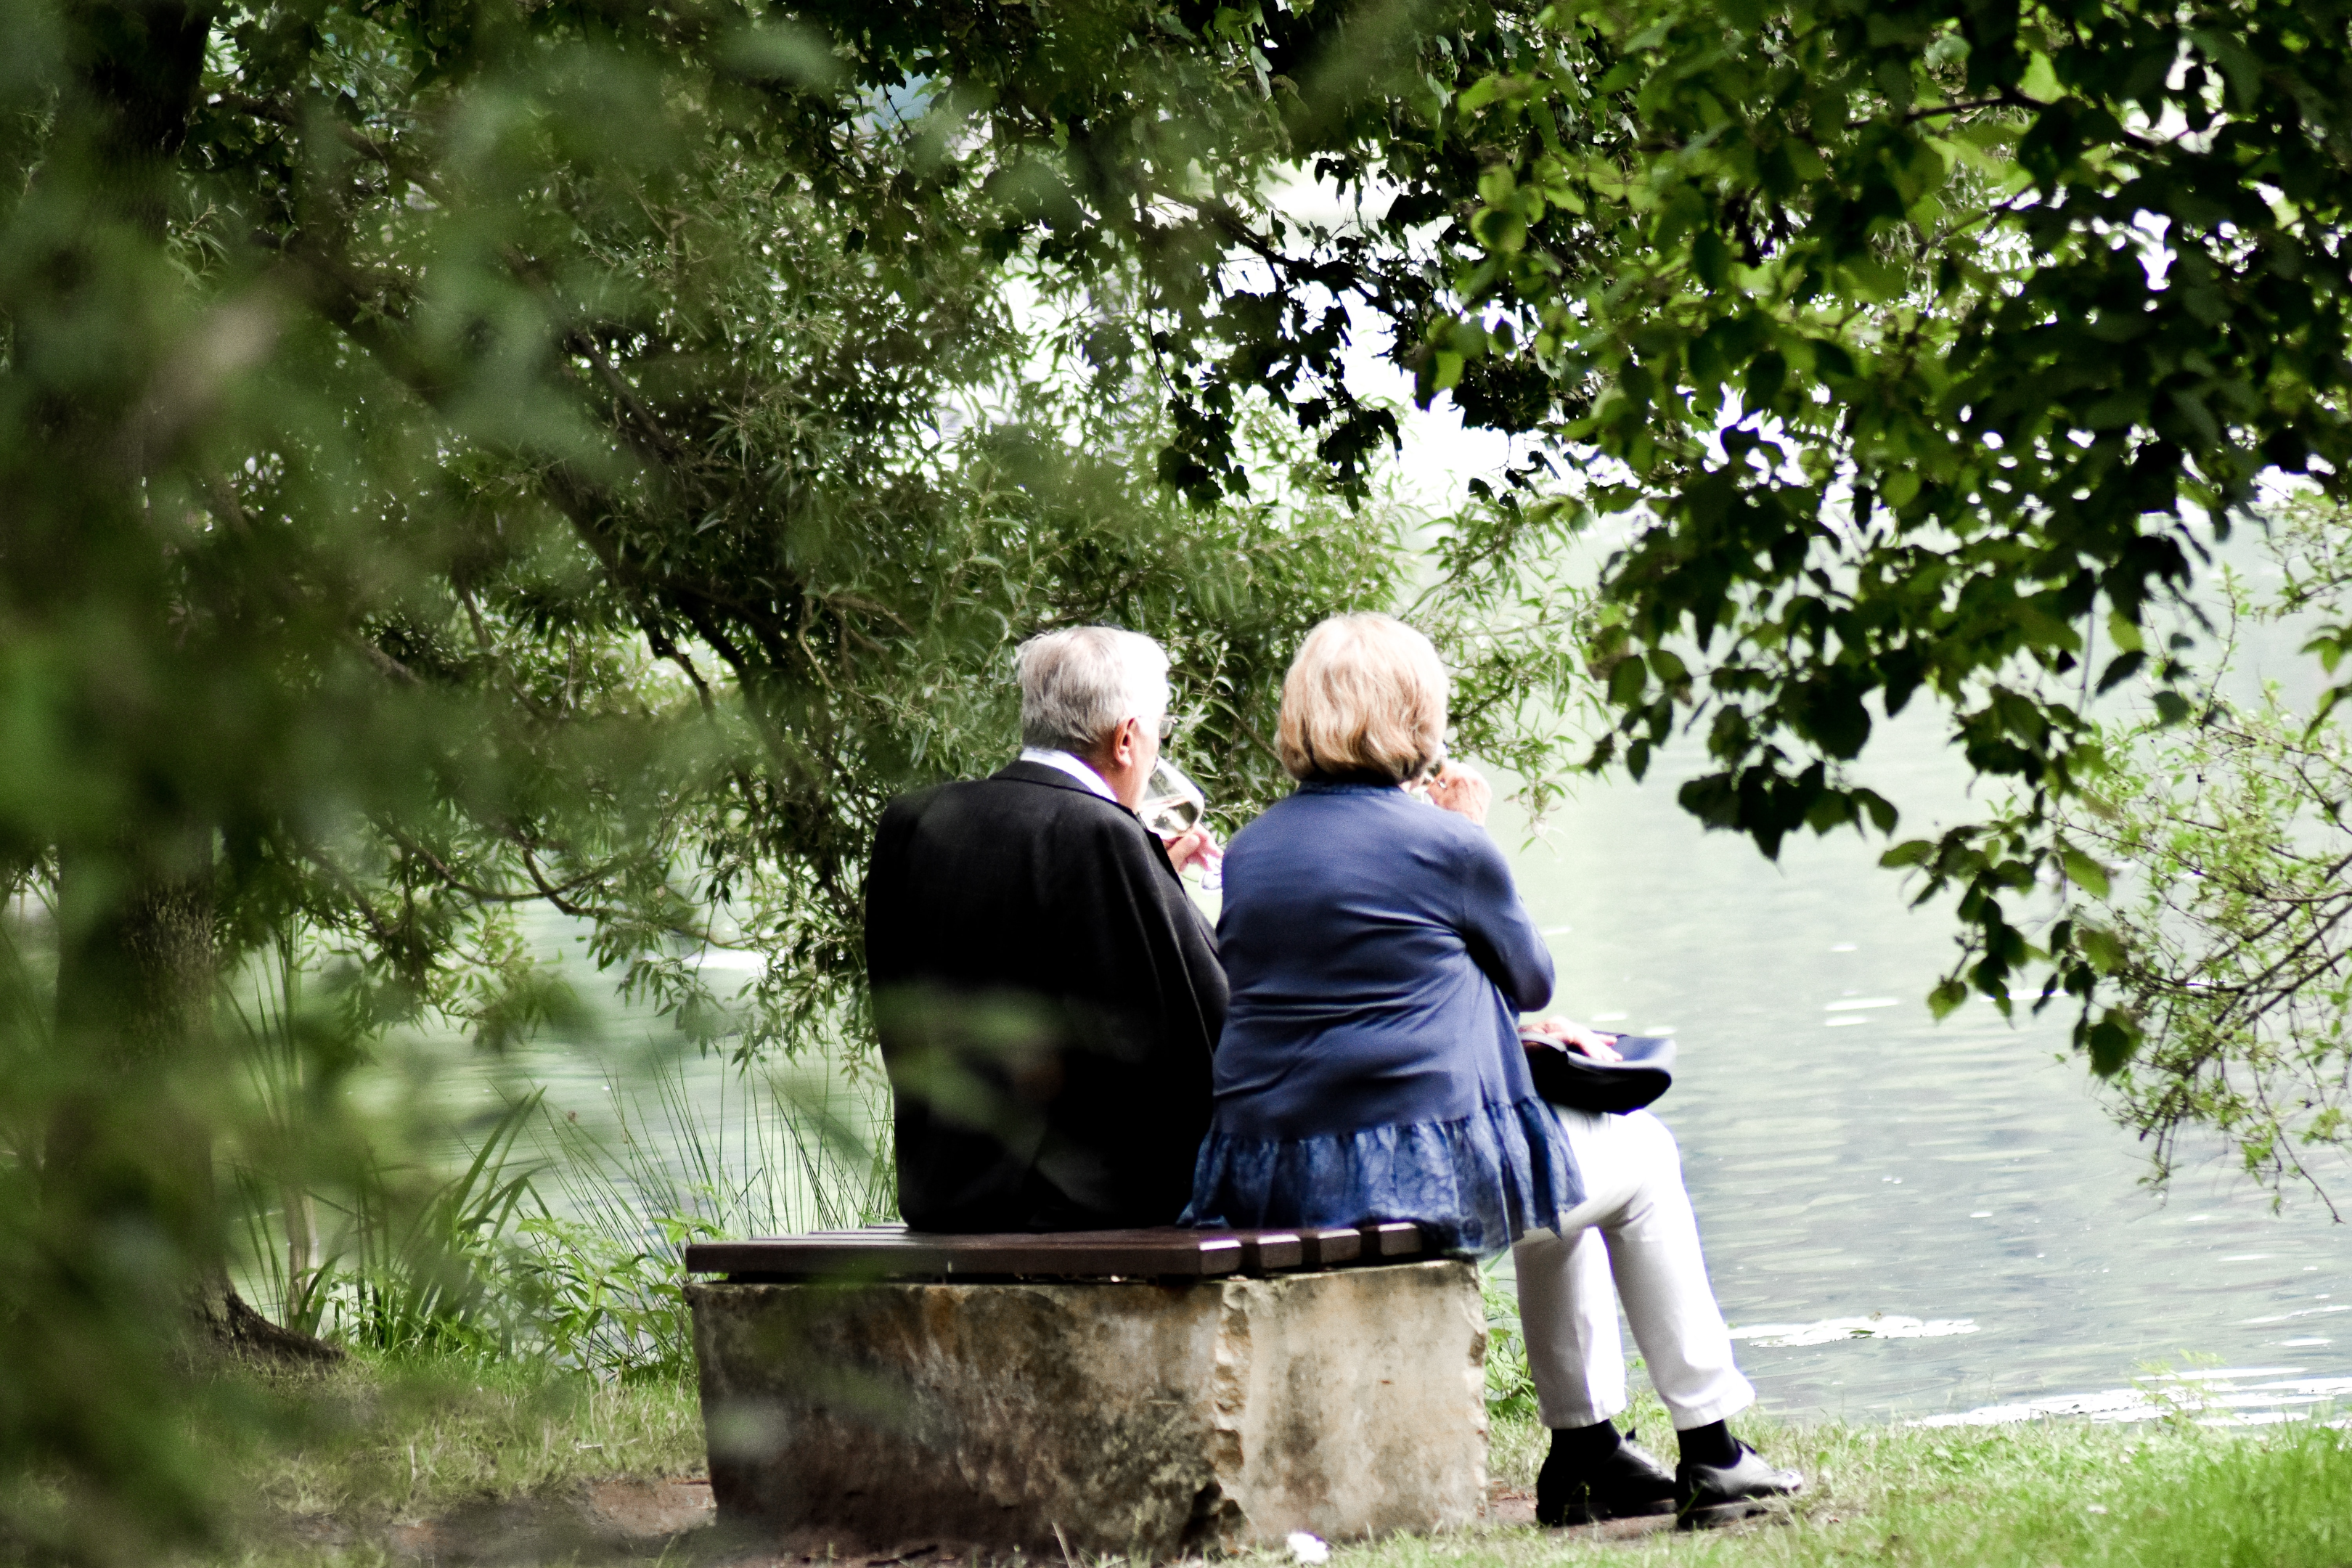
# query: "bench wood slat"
1070,1255
1170,1252
1271,1251
1331,1245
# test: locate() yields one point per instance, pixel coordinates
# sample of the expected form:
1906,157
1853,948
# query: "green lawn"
322,1468
2034,1496
376,1444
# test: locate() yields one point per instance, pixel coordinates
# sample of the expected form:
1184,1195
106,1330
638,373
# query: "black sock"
1585,1446
1709,1445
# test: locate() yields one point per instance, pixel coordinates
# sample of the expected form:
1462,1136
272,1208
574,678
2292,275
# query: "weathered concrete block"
1139,1417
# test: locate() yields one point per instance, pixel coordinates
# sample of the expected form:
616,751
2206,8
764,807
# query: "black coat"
1048,1000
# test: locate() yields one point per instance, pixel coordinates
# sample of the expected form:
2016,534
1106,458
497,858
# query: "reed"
552,1237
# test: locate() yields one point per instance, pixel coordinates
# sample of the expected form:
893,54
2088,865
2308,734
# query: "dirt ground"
626,1519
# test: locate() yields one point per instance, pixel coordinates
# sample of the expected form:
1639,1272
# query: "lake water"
1904,1219
1849,1156
1952,1191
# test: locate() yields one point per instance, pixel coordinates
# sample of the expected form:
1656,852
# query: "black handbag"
1570,1077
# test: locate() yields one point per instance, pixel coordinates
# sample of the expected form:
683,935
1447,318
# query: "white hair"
1080,683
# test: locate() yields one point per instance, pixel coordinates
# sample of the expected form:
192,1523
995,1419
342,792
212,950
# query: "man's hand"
1197,847
1601,1048
1461,790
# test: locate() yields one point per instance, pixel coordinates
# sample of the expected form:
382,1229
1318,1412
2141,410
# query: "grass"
480,1409
2029,1496
380,1441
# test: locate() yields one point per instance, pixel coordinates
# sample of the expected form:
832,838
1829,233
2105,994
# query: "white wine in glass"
1173,806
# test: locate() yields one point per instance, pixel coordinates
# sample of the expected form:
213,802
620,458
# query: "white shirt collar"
1075,767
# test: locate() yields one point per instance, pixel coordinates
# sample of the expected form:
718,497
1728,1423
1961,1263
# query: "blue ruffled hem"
1478,1183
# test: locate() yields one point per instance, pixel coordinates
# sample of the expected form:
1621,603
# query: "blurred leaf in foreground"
456,458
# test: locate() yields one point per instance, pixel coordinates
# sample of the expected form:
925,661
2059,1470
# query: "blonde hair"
1366,695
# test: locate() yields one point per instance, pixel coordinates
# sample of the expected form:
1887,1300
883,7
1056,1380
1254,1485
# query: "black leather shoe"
1718,1494
1629,1482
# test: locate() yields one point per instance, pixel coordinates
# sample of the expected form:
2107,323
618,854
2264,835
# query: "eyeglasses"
1167,727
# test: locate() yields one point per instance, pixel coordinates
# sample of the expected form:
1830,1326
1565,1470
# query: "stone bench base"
1145,1418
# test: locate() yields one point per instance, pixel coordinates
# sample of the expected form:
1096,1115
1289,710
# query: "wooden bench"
1151,1393
894,1252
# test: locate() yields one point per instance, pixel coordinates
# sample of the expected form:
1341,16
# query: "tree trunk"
135,982
130,1146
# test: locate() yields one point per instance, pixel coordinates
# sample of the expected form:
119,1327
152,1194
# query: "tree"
1913,343
1932,331
2228,927
1910,340
456,457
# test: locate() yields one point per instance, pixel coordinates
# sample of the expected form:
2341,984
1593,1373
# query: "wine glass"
1417,786
1173,806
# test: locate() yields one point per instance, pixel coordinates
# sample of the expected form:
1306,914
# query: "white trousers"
1633,1239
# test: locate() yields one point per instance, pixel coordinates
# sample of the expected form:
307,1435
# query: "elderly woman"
1371,1068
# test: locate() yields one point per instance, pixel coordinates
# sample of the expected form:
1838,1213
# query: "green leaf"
1710,259
2120,669
2238,65
2040,80
1910,852
1946,998
2112,1042
786,51
1500,230
2084,872
2329,647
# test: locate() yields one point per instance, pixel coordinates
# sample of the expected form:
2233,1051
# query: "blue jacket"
1370,1068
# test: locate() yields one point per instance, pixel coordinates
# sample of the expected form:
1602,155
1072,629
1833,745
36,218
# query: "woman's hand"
1461,790
1601,1048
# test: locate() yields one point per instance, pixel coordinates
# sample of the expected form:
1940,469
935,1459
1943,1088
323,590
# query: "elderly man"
1047,997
